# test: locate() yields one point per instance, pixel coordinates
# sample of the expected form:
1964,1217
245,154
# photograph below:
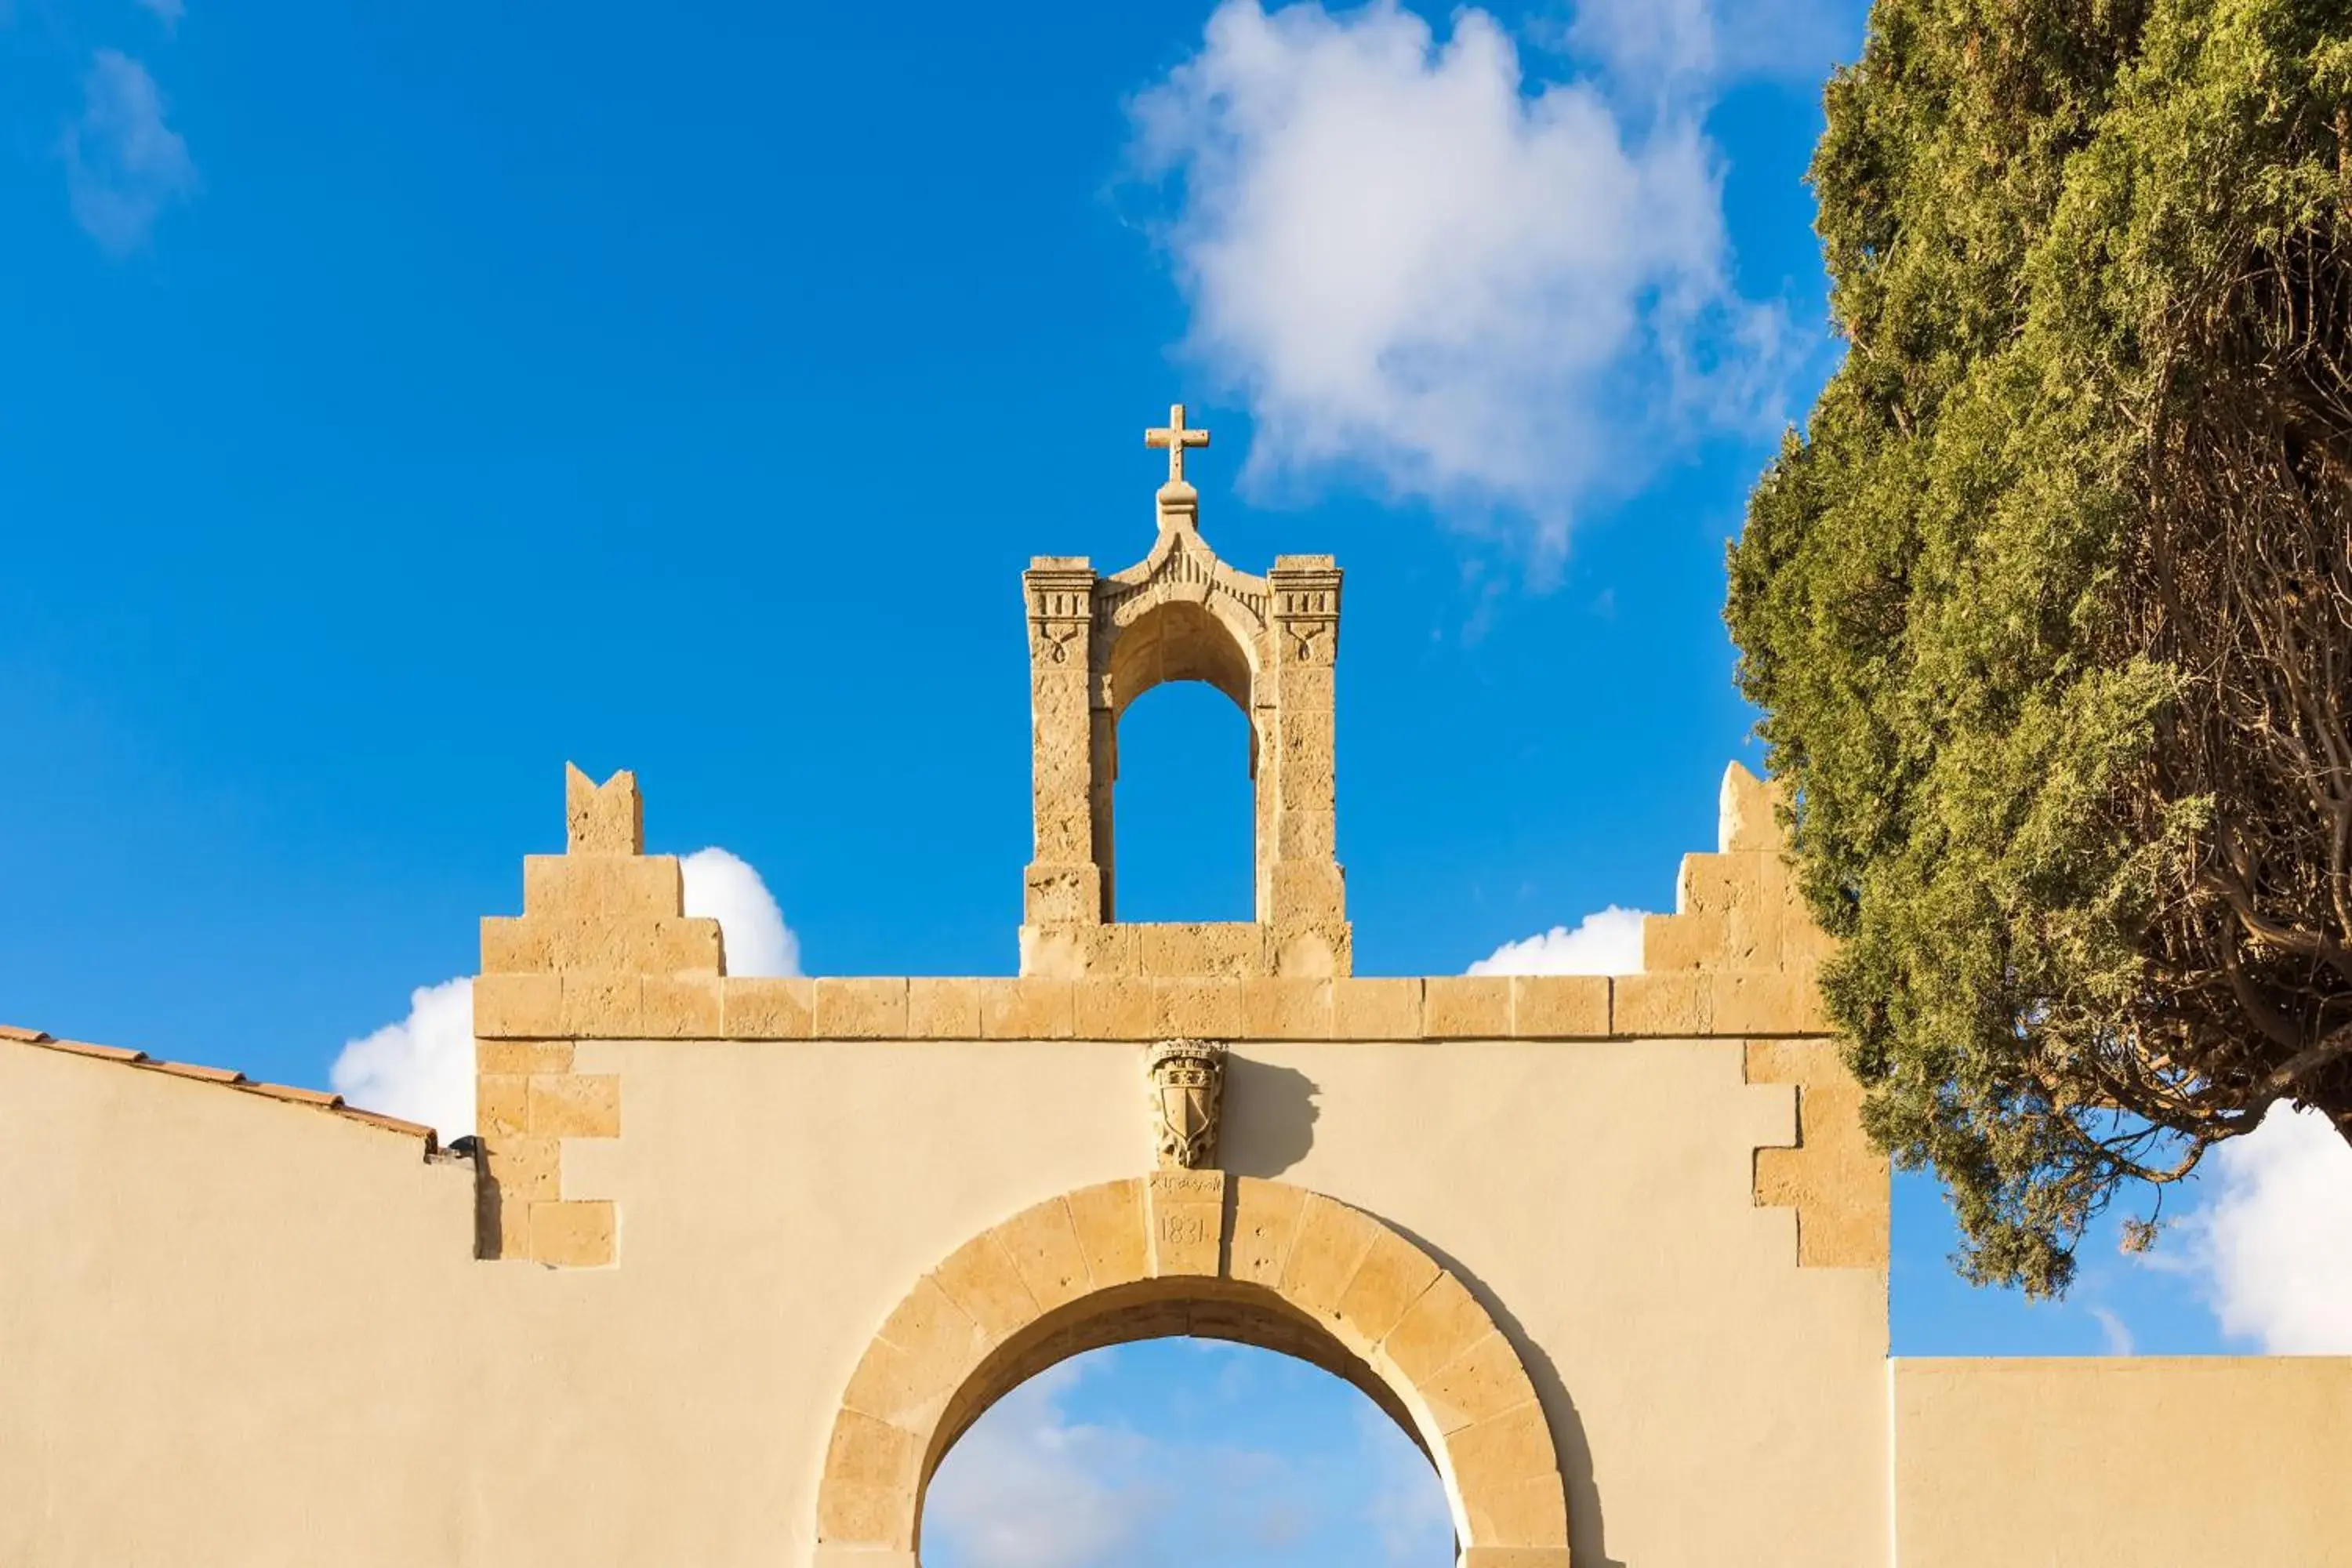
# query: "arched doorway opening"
1195,1254
1175,1452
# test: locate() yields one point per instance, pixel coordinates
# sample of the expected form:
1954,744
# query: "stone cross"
1175,438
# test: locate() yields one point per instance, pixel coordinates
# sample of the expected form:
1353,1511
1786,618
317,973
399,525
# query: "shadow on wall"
1268,1127
1585,1526
1268,1123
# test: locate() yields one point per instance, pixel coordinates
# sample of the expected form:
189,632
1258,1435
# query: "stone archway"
1194,1252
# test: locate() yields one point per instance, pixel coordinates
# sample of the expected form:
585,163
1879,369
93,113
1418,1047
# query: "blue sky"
398,403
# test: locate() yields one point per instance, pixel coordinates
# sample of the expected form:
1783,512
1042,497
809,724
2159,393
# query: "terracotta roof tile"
299,1095
188,1069
389,1123
227,1077
84,1048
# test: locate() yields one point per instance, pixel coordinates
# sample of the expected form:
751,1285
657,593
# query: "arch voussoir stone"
1196,1252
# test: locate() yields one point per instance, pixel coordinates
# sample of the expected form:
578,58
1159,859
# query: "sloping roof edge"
225,1079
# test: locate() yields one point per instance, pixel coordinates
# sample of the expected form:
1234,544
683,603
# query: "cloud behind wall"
1607,942
2273,1243
1422,269
421,1066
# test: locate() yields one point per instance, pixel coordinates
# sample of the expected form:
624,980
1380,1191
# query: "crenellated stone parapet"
602,953
1742,956
602,924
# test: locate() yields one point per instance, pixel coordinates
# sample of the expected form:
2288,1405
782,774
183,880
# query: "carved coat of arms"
1188,1078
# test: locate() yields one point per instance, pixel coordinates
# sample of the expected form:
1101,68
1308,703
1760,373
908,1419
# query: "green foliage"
2050,607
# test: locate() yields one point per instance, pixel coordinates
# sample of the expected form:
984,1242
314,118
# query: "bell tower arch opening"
1186,783
1095,644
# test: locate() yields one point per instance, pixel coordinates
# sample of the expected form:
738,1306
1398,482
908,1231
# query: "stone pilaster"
1064,885
1302,891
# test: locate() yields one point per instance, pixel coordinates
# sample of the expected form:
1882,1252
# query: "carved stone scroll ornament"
1188,1080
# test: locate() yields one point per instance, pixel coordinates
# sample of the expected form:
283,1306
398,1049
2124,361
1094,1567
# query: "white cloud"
2115,1335
1678,47
2274,1241
1403,1501
170,11
1030,1486
1500,297
422,1066
123,163
1608,943
723,886
1026,1488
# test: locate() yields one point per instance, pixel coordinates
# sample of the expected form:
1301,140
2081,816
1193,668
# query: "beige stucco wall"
238,1331
2160,1462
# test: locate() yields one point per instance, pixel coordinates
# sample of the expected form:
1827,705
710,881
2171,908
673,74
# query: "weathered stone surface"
575,1105
528,1005
602,819
860,1009
1042,1243
1109,1221
1478,1384
980,1278
1331,1243
602,1006
759,1007
1119,1009
576,1235
522,1056
1029,1008
1466,1008
1560,1006
680,1006
1265,1223
1392,1276
1376,1009
1442,1322
501,1104
1679,1004
1283,1008
940,1009
1835,1178
1208,1008
1187,1220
